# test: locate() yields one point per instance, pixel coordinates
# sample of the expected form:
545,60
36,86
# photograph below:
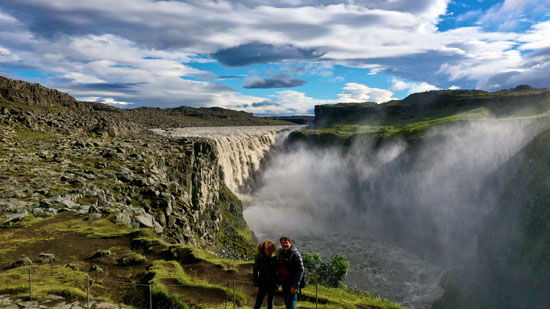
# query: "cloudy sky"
272,57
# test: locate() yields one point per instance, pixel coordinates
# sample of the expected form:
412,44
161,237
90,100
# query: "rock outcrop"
32,106
58,154
501,103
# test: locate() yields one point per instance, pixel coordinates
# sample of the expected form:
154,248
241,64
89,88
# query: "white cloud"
7,56
509,14
337,79
537,37
399,85
290,102
140,50
250,80
354,92
112,101
413,87
201,27
422,87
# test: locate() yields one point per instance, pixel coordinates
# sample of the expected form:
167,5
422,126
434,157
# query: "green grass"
166,273
343,298
46,280
132,258
102,228
158,263
30,135
408,128
7,103
234,232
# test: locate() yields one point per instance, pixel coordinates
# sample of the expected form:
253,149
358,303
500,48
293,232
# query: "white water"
327,202
377,267
240,149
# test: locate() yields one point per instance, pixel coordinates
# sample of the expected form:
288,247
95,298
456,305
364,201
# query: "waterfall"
240,149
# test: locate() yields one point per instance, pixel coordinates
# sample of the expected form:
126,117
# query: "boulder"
14,217
44,213
24,261
46,258
158,228
84,210
93,210
96,268
51,201
95,216
145,220
105,305
123,218
72,266
125,175
101,254
68,204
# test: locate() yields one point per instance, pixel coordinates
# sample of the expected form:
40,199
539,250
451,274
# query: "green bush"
329,274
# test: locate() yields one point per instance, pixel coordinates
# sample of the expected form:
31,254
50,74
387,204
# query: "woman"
265,273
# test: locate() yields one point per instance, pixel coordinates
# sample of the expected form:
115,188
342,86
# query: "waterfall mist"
429,198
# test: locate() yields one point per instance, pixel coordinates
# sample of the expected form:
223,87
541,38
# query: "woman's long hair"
266,244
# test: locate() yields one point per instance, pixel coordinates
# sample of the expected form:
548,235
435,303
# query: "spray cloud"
429,197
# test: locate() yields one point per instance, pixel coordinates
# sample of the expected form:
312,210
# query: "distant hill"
37,106
442,102
305,120
411,117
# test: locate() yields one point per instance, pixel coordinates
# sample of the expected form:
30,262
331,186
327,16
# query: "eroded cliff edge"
58,154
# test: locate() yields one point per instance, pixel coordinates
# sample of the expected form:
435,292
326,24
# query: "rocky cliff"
58,154
241,150
36,107
439,102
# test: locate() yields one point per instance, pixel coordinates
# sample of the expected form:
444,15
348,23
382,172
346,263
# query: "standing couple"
271,269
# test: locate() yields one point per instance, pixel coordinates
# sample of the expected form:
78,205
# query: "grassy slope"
411,118
181,276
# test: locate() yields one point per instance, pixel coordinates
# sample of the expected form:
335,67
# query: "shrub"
329,274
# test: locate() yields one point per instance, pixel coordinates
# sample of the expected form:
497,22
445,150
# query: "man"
291,270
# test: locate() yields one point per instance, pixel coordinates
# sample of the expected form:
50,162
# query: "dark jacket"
293,260
264,273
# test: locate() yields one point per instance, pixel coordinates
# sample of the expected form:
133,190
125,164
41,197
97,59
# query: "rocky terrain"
53,301
172,187
90,198
36,107
58,154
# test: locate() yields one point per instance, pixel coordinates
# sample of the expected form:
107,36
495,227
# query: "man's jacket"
293,261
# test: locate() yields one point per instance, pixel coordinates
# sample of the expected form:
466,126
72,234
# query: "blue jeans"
290,299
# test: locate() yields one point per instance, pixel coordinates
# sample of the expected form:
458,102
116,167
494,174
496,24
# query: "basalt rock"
59,155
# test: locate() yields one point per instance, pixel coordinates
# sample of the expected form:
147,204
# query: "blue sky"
272,57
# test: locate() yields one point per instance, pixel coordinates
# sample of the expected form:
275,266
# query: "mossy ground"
180,276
